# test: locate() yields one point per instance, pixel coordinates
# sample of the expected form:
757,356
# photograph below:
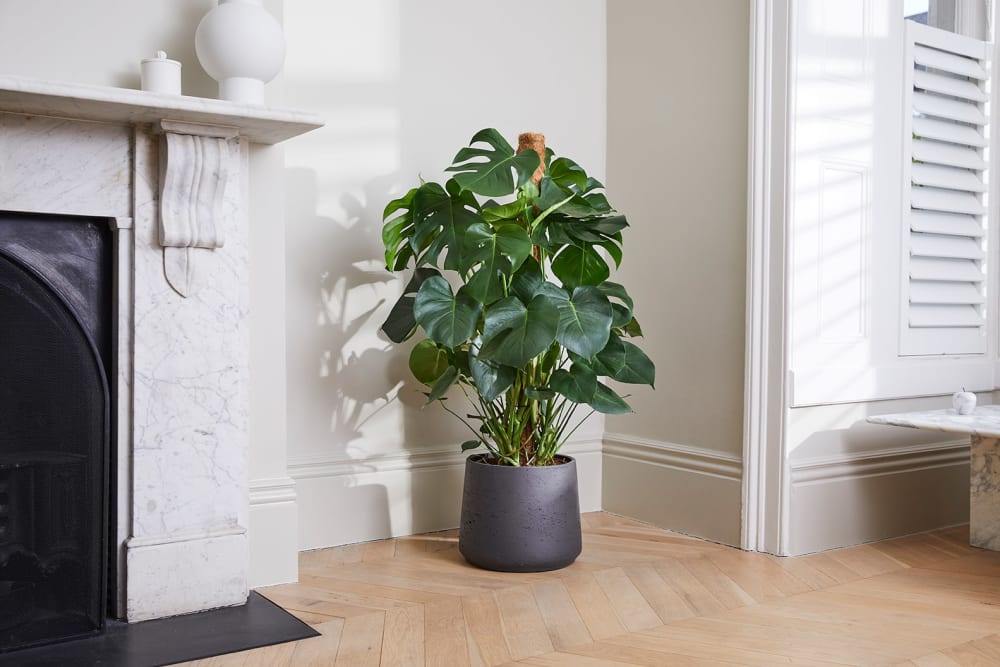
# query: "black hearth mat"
258,623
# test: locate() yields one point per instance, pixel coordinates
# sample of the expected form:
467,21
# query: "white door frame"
765,474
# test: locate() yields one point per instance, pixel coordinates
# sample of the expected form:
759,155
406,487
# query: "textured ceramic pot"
242,47
520,519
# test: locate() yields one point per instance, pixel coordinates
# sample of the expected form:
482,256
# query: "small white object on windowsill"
964,402
161,75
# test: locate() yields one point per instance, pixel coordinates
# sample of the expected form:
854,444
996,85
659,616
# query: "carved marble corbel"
195,167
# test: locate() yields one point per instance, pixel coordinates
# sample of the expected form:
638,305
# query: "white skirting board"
686,489
273,532
357,500
851,499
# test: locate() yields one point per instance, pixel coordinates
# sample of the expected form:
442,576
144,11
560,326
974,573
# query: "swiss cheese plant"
509,285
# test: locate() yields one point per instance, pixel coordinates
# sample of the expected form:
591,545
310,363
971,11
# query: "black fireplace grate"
54,428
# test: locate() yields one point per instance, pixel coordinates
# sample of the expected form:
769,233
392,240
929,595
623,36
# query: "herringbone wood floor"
643,596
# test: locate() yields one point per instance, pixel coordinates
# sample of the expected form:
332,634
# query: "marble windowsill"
258,124
983,422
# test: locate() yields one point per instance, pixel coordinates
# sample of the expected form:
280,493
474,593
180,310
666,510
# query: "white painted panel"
844,36
903,378
842,240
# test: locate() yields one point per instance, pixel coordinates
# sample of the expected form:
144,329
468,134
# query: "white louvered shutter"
944,199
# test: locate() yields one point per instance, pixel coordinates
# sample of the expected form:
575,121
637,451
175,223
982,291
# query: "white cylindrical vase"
242,47
161,75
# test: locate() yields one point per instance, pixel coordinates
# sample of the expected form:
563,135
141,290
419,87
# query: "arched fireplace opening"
56,279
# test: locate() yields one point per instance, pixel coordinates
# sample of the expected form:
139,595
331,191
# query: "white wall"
677,146
403,85
101,42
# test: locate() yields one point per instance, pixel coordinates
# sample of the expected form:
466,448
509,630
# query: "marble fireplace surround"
170,175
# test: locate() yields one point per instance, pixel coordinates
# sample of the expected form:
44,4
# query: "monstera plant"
510,292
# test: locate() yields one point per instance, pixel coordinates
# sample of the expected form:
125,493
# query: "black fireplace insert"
56,279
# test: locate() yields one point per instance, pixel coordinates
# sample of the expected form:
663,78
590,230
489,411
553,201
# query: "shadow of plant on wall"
346,286
344,374
354,371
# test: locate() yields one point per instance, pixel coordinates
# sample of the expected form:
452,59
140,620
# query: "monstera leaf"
492,379
514,334
450,319
580,265
428,361
578,384
498,252
490,171
401,322
397,231
584,318
441,219
622,310
637,368
607,401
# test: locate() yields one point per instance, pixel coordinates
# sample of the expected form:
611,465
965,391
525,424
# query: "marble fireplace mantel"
170,175
258,125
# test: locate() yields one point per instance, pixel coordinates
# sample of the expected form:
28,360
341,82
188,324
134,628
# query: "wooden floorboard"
643,596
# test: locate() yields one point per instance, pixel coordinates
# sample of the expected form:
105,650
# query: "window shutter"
944,199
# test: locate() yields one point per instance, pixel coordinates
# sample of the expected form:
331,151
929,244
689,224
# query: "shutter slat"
927,315
952,201
948,270
952,247
949,85
946,177
953,133
949,62
933,222
948,154
922,291
943,107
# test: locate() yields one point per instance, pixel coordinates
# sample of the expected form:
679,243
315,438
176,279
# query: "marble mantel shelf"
984,421
102,103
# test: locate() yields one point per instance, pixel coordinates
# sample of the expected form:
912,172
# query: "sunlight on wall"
345,41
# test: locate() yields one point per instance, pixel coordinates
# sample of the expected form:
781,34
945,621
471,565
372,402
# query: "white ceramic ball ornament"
241,46
964,402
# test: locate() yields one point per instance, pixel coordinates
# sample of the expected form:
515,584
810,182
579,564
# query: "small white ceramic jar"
161,75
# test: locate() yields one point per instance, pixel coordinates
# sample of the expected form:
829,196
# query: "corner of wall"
690,490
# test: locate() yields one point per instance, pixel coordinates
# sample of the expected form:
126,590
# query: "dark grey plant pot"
520,519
